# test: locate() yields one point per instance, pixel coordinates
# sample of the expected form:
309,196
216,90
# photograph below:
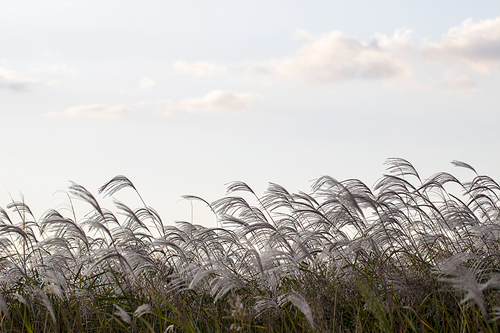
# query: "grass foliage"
407,255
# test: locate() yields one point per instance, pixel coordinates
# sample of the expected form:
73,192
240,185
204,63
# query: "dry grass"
406,255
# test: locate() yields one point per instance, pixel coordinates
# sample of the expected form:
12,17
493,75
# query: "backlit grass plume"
409,254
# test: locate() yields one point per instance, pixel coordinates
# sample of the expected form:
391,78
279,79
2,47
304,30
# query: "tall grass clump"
409,254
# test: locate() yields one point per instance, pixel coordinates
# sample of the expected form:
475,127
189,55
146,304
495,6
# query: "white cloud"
214,101
199,69
474,45
146,83
14,80
335,57
453,80
92,111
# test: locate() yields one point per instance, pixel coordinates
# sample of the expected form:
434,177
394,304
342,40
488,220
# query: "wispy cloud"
199,69
146,83
59,70
453,80
215,101
53,75
14,80
92,111
335,57
475,45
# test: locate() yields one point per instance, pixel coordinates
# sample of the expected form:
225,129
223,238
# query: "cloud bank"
335,57
215,101
92,111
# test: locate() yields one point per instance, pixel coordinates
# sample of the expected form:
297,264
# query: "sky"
183,97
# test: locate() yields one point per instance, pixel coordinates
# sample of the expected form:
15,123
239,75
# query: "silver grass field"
408,255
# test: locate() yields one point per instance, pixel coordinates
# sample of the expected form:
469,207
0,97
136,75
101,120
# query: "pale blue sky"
183,97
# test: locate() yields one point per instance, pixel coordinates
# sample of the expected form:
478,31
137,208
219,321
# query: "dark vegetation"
407,255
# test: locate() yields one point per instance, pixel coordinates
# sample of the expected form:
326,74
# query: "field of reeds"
409,254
